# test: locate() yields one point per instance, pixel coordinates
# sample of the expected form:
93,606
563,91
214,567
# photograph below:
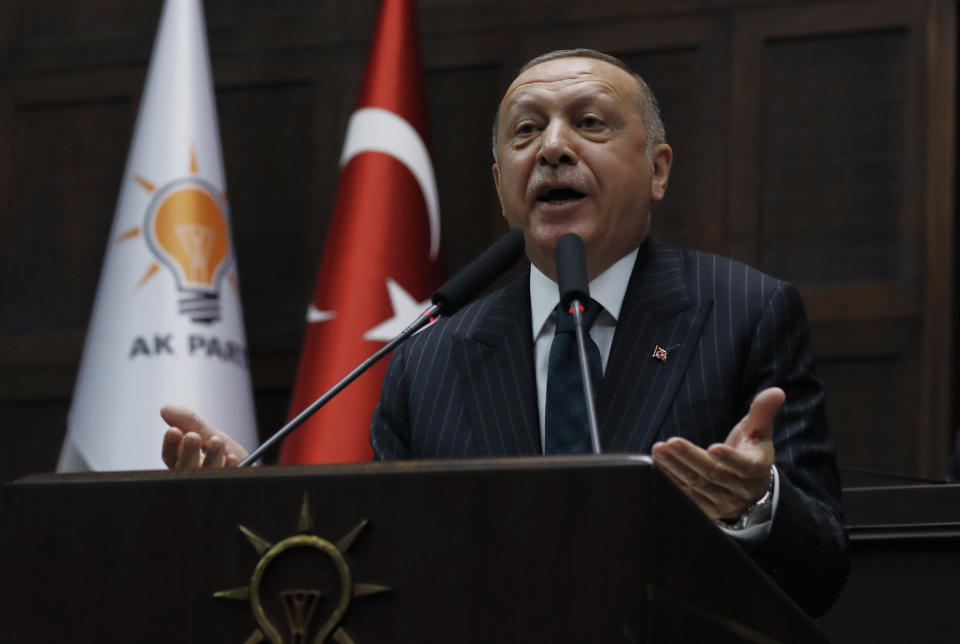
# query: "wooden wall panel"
833,180
873,390
692,213
461,102
836,183
69,157
828,174
270,178
869,408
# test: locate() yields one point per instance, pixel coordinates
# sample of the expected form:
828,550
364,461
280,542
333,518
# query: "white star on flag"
405,311
316,315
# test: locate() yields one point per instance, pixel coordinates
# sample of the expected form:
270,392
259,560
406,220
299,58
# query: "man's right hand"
192,443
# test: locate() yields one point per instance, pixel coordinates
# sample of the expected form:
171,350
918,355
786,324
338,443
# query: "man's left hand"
726,478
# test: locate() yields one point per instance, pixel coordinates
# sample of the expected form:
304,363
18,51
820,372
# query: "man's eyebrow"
598,95
522,102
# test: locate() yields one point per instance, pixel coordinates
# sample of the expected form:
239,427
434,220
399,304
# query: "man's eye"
591,122
524,128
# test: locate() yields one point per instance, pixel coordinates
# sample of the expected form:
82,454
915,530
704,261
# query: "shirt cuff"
755,535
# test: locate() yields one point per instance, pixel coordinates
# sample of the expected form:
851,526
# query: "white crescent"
373,129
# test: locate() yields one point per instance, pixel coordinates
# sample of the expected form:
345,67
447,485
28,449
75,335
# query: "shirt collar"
608,288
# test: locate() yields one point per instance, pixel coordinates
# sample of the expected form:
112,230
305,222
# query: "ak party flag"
167,323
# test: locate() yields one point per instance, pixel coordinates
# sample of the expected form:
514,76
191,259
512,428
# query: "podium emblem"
301,586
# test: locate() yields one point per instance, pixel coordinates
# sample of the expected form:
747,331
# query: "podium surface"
558,549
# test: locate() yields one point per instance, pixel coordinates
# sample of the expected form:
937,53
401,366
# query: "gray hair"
647,104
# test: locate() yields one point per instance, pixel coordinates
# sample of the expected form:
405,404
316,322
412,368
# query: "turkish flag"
380,264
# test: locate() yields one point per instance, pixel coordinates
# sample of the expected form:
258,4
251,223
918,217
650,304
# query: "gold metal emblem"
289,615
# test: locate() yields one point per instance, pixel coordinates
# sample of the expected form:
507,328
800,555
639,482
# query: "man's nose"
557,147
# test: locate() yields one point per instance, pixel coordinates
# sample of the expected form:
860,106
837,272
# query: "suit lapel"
657,311
495,363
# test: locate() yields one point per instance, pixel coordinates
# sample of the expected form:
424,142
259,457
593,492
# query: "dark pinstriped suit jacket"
466,387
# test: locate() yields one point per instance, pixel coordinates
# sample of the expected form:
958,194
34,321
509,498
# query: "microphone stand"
425,318
574,286
585,371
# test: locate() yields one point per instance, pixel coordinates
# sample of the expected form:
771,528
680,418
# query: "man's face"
572,157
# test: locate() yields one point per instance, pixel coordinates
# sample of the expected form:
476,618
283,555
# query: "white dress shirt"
608,289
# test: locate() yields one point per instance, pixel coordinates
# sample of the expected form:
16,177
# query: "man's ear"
662,159
496,184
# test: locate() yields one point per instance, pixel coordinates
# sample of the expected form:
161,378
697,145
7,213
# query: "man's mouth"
560,195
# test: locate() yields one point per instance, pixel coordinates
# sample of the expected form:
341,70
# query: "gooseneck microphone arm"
425,318
460,289
575,294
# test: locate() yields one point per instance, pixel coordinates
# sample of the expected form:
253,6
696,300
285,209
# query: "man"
691,345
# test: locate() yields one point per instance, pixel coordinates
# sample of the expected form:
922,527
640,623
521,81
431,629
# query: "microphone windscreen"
480,273
572,270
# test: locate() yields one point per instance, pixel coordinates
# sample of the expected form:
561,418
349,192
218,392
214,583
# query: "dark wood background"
814,140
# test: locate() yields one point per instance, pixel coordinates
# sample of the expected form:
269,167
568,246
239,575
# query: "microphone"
457,291
575,290
572,270
480,273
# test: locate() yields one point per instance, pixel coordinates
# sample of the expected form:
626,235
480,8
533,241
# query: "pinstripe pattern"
465,387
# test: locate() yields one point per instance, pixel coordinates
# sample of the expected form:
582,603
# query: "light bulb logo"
187,229
301,586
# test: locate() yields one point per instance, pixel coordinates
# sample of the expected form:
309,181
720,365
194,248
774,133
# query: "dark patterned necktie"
565,419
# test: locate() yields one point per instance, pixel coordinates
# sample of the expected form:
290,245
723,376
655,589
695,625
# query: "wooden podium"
560,549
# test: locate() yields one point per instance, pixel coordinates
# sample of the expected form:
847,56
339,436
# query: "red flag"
380,264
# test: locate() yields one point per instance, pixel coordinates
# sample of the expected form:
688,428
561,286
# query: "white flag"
167,324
